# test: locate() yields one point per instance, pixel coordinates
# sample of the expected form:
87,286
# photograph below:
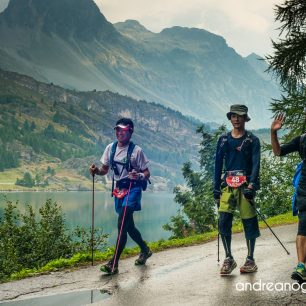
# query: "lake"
157,208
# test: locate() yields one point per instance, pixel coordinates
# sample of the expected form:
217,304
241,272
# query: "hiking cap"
238,109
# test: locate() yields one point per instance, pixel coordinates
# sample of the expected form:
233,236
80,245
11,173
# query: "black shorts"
302,223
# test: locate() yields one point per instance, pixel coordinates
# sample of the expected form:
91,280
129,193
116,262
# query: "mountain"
70,43
51,17
133,28
44,125
259,65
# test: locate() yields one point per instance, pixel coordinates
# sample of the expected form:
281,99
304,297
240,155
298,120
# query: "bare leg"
301,248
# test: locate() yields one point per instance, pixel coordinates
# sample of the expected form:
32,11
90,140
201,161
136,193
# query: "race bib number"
235,181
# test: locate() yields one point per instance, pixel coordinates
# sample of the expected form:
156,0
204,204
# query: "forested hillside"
43,125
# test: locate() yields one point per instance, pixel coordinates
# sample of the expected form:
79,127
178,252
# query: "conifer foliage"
288,64
197,213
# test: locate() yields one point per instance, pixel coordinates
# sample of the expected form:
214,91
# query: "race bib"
235,181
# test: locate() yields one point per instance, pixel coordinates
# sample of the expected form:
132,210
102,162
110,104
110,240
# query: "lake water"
157,208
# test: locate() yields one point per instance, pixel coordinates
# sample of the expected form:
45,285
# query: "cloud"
3,4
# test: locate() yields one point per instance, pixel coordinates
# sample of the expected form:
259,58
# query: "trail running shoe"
249,266
107,268
143,256
299,273
228,266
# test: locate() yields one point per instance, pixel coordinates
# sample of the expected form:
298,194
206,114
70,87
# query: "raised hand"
278,122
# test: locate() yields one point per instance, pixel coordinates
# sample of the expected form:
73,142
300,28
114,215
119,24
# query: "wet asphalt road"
184,276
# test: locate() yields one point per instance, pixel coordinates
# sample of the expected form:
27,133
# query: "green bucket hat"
238,109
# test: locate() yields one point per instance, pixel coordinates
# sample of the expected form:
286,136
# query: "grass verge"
85,258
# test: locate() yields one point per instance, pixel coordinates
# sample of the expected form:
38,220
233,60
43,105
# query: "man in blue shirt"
236,180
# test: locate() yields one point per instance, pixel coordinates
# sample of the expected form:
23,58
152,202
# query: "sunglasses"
119,129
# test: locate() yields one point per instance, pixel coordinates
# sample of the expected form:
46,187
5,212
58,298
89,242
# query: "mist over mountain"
70,43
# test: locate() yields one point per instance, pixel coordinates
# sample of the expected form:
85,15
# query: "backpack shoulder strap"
129,154
250,135
112,154
302,145
112,165
224,139
302,139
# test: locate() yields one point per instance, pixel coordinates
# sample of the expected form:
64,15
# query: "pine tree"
26,126
33,126
288,63
197,210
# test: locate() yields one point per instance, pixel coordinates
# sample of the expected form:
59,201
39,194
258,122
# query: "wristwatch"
141,176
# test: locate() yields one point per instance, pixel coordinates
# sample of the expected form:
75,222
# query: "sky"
247,26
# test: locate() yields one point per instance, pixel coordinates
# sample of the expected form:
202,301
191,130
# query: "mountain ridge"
190,70
88,25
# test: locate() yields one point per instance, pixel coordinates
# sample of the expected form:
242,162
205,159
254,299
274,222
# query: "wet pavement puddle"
74,298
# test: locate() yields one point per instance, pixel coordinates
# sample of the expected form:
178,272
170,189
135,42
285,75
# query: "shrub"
28,243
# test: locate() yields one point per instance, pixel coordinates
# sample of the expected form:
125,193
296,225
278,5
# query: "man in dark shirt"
297,144
240,151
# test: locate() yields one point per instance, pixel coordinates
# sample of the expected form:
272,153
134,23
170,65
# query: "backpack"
297,175
127,165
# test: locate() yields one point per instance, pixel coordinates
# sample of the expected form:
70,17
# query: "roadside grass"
83,259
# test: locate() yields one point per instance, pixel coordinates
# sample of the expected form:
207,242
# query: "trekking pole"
218,204
264,220
92,219
118,241
218,242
